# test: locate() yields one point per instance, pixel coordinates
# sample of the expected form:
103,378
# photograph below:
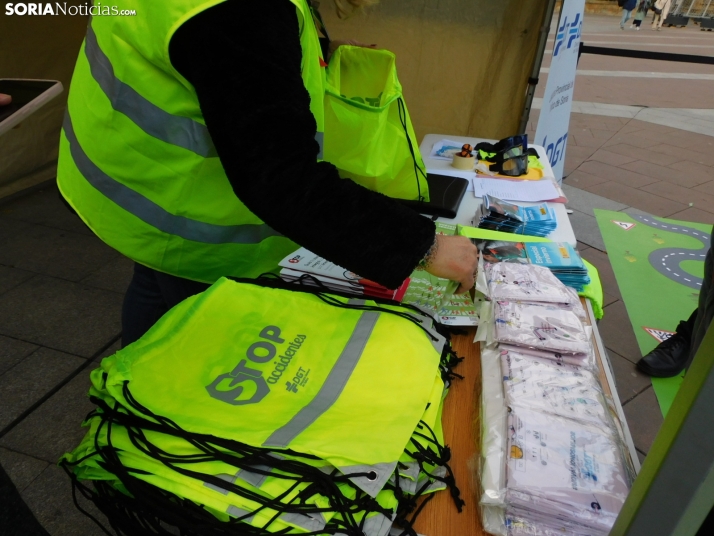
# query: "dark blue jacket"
629,5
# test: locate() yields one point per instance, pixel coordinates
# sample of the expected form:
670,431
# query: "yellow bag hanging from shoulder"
368,134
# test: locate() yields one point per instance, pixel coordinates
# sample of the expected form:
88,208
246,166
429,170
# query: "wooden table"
462,434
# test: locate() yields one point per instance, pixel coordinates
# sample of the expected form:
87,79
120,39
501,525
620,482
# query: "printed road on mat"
668,261
658,264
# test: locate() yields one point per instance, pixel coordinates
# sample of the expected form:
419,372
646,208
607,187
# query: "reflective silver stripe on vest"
155,215
333,386
173,129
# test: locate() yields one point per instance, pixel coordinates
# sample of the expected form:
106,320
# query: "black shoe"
668,359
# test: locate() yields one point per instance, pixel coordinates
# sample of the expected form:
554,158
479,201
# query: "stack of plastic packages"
553,461
559,257
499,215
251,409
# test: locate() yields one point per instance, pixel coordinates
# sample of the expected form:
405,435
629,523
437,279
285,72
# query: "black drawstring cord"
328,483
307,282
417,170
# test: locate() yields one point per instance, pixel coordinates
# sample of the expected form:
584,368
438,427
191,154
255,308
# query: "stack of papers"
435,295
516,190
445,149
303,263
559,257
498,215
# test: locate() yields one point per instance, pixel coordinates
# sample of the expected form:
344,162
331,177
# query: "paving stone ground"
61,288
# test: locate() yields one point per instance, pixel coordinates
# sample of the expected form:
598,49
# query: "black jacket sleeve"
243,59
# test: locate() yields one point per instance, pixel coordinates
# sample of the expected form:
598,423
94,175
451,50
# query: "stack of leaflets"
303,263
498,215
432,294
559,257
436,295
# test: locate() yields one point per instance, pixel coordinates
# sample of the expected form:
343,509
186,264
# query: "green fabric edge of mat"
665,388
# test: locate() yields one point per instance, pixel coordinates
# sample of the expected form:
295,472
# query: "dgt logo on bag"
246,385
235,386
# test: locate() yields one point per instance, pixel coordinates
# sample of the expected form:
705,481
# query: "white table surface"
562,233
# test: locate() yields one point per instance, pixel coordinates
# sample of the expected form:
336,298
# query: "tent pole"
537,62
674,491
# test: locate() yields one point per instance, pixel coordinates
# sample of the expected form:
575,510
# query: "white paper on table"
529,191
445,149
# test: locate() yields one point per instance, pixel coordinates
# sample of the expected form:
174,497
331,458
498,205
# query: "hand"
334,45
5,99
456,259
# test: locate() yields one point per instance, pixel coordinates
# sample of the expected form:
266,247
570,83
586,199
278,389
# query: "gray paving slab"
21,468
617,333
584,201
31,379
59,314
601,261
50,251
586,229
644,419
12,351
115,275
50,499
11,277
45,207
630,382
54,428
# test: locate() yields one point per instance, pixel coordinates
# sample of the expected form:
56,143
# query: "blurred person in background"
627,7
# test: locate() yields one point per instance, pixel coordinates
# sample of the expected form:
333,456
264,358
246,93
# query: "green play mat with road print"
658,264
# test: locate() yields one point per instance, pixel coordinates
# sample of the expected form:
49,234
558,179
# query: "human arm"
245,69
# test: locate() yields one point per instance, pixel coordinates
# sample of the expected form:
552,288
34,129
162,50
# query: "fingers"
5,99
456,259
465,286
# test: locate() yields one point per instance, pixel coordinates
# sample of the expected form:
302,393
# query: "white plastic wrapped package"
575,304
564,469
526,282
494,415
544,385
543,327
494,520
486,332
524,523
586,361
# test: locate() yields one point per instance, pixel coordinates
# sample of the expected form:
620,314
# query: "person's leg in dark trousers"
151,294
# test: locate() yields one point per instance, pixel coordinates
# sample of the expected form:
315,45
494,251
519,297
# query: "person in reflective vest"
191,145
